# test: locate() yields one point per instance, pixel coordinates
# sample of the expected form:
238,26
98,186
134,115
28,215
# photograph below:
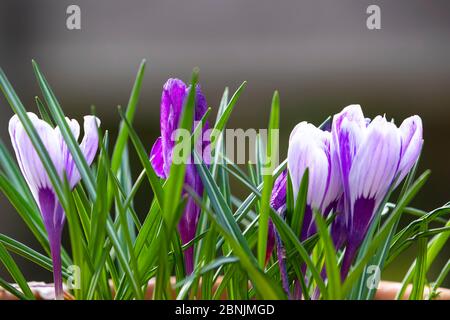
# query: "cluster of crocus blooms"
352,166
351,170
38,181
173,98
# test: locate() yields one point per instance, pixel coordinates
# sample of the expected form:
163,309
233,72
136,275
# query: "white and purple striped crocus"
173,97
311,148
38,180
373,155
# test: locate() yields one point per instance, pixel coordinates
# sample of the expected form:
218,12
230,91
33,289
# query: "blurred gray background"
317,53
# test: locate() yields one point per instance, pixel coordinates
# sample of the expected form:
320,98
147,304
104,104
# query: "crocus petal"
200,104
412,141
307,149
88,146
372,173
334,189
157,159
172,100
27,157
347,131
69,165
52,213
278,203
310,148
339,225
278,196
270,241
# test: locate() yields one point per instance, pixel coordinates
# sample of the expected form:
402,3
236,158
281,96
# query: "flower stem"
55,248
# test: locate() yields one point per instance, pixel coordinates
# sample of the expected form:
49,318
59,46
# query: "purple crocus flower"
38,180
278,203
372,155
310,147
172,102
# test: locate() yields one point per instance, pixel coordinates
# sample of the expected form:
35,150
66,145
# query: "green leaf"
288,236
223,212
26,211
331,263
440,279
251,198
77,240
126,236
242,178
43,111
186,284
272,149
100,208
15,177
265,287
421,267
434,247
123,261
225,115
28,253
5,285
300,204
122,137
143,157
15,272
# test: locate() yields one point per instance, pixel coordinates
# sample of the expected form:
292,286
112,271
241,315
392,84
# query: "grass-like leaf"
122,136
331,263
300,204
421,267
265,287
272,149
15,272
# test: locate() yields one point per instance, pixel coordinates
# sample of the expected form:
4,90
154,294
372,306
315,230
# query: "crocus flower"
38,180
310,148
172,102
372,156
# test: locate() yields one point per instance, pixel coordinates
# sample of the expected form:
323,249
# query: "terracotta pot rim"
387,290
